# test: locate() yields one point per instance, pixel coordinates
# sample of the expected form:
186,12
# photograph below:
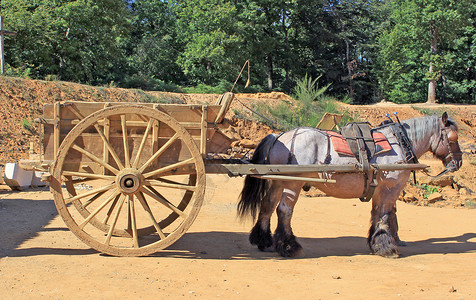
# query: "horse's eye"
452,136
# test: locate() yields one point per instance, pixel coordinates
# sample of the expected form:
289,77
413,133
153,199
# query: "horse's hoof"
261,238
384,245
289,248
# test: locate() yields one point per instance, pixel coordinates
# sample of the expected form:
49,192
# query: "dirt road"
40,258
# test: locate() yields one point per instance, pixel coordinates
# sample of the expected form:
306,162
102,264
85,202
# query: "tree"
211,50
153,47
411,46
74,40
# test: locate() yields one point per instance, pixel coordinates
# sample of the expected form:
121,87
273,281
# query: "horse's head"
446,147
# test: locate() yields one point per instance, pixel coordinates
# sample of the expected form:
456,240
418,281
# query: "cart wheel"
143,196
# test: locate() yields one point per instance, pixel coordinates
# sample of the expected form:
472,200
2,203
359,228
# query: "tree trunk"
433,51
269,62
349,69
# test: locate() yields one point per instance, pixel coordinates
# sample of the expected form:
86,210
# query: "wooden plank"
249,169
203,137
57,128
294,178
180,112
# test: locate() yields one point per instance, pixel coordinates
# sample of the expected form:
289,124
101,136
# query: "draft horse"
308,146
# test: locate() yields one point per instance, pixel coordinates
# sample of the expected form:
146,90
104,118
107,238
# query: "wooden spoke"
98,209
132,215
159,152
87,203
122,197
174,185
141,147
125,142
95,158
88,175
161,199
170,167
146,207
111,209
109,147
89,193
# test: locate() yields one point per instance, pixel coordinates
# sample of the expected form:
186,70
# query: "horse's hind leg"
285,241
261,233
383,234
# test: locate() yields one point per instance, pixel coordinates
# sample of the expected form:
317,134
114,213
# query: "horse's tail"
256,190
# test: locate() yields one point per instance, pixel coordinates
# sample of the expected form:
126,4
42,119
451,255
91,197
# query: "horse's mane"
419,128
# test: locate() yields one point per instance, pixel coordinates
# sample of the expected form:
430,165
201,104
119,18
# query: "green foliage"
429,111
312,105
221,88
307,90
429,189
365,50
470,204
21,71
149,84
27,125
405,56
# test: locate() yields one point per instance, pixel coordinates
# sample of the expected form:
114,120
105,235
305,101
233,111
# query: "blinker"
452,136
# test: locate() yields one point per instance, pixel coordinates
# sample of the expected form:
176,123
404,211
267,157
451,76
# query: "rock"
449,192
247,143
17,178
424,180
464,192
435,197
442,181
445,180
409,197
237,155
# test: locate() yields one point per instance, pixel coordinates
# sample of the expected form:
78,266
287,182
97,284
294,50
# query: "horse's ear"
444,118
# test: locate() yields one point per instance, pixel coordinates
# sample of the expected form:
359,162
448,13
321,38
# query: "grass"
470,204
312,104
27,125
429,111
429,189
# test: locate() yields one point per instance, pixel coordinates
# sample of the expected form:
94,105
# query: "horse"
310,146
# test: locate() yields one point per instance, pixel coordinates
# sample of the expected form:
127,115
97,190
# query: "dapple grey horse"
309,146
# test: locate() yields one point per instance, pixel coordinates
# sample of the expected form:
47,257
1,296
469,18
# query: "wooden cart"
129,179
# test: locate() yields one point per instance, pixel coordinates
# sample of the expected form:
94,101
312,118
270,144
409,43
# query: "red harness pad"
341,146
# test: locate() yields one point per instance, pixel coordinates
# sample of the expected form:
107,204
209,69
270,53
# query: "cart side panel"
189,116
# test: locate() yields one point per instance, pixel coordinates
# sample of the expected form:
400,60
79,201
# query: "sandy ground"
40,258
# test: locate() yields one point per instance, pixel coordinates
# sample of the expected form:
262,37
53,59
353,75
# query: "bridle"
452,165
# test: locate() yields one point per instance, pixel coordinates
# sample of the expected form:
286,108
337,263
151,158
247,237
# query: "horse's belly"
346,186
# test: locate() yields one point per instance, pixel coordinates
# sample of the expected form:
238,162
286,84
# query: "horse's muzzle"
454,165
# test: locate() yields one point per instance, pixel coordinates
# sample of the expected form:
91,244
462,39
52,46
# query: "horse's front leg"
383,234
261,233
285,241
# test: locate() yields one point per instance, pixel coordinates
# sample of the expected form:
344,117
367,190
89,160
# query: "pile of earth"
21,101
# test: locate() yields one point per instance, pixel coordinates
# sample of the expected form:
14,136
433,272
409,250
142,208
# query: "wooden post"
2,34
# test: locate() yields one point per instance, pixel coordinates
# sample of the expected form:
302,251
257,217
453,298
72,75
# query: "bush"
311,107
221,88
149,84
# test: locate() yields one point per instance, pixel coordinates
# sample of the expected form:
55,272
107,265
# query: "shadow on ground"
22,219
233,245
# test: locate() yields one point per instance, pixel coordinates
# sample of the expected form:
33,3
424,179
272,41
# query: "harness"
360,140
453,164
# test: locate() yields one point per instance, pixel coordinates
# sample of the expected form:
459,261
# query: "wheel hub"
129,181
